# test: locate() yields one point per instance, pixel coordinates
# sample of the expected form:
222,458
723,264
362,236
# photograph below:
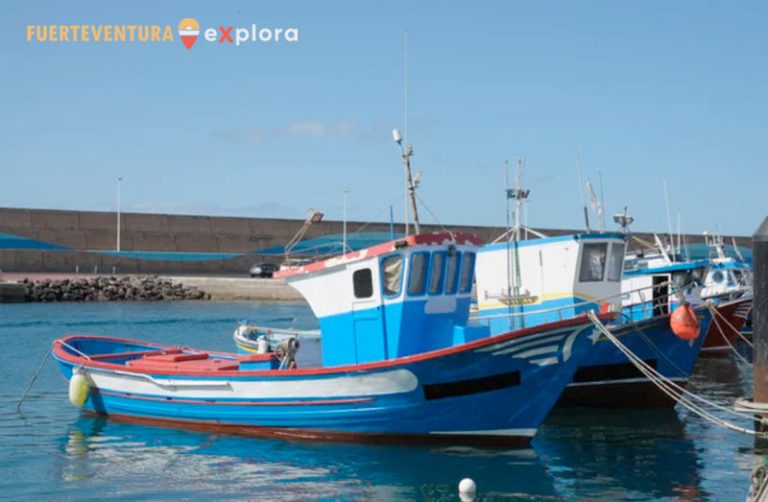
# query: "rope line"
32,380
677,392
714,313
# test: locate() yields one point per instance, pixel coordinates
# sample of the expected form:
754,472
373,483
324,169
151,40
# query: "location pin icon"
189,29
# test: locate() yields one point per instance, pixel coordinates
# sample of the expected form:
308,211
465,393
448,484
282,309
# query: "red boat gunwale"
61,354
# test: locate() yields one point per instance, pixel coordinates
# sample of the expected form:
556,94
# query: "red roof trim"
434,238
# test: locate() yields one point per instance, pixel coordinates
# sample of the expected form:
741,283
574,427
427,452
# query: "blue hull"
496,390
607,378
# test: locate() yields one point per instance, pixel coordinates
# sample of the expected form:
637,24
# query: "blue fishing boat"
525,278
400,360
525,283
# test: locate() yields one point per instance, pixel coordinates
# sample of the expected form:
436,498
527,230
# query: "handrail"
82,354
268,330
585,303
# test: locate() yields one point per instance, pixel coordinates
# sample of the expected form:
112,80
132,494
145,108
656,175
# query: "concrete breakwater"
100,289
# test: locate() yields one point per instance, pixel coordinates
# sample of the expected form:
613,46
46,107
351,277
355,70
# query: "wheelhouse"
530,282
393,300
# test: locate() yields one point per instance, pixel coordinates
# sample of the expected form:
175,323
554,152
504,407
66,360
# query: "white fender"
78,388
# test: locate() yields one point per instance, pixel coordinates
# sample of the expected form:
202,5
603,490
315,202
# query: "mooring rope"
32,380
677,392
715,313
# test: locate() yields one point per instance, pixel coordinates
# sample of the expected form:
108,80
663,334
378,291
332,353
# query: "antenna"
679,232
405,126
411,182
669,215
602,199
581,189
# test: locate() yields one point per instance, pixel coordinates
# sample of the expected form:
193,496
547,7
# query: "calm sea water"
50,451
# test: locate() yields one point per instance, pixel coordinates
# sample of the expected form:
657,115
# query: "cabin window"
718,277
615,262
362,282
417,277
467,269
436,271
593,262
392,274
451,273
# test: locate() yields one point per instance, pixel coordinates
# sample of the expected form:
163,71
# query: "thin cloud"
337,131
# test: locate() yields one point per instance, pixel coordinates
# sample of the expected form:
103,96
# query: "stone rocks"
109,289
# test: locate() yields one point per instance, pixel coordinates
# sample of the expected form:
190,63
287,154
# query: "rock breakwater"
109,289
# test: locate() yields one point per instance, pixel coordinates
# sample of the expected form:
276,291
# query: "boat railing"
565,312
271,330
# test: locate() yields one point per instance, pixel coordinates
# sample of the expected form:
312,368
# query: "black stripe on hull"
638,395
472,386
608,372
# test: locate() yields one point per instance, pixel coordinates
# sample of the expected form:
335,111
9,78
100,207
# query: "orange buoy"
684,322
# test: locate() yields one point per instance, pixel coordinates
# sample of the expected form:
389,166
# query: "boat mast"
407,150
411,184
581,189
513,256
405,126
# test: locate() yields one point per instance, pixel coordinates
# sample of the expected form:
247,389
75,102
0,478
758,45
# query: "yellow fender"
79,387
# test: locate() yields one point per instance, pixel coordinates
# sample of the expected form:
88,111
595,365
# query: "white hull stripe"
546,361
388,382
522,346
523,339
537,352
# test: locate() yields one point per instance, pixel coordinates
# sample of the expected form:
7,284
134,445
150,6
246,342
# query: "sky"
644,91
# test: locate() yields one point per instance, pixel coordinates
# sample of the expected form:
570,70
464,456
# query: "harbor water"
51,451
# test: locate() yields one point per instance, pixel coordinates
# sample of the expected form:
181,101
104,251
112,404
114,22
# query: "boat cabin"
654,290
727,277
529,282
396,299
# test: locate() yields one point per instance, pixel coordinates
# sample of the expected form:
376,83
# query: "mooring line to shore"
677,392
33,379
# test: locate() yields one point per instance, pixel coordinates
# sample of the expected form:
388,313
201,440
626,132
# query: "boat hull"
496,390
721,336
608,379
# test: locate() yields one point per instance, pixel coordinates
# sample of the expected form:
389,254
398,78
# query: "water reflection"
640,454
99,453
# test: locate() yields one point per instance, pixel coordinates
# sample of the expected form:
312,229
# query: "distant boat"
723,280
400,361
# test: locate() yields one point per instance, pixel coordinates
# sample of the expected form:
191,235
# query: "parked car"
263,270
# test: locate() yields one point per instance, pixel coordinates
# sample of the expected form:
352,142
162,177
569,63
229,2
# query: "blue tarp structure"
332,244
318,246
702,251
9,241
170,255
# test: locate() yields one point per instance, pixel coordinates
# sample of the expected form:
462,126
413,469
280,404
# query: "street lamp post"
119,183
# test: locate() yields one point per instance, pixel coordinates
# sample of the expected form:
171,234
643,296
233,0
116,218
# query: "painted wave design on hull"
743,310
544,349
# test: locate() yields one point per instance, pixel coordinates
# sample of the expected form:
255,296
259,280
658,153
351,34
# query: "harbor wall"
84,232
